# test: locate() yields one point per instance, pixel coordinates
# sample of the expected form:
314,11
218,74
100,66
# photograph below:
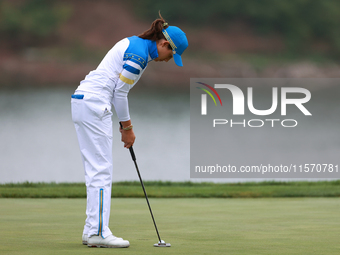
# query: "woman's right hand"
128,136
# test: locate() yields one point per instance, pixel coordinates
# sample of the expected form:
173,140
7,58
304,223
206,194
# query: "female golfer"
91,103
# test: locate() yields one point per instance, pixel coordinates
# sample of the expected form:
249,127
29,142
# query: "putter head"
162,244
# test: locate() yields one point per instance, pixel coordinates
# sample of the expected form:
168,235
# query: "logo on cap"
167,36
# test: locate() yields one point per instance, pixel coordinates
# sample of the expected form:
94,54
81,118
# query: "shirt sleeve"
127,78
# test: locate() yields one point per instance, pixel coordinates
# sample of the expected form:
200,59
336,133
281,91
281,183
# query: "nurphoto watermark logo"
267,128
238,99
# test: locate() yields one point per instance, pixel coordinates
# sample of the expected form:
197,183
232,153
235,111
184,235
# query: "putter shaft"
133,156
146,196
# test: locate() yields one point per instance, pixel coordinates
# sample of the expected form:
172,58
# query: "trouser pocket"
89,108
99,109
76,108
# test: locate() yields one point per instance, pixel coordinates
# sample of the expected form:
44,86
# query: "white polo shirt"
119,71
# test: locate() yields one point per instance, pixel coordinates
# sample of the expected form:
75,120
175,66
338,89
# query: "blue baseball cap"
178,42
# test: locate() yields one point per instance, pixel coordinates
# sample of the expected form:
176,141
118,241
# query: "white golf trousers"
93,123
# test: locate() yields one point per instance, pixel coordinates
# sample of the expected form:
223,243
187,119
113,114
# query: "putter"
161,243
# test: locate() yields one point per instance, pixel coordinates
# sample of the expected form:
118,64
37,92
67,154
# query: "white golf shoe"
108,242
84,239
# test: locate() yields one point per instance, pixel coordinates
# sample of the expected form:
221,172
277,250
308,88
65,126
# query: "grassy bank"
178,189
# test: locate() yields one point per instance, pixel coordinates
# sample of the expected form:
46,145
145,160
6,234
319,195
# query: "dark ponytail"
154,33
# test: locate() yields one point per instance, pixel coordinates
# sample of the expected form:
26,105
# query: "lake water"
39,144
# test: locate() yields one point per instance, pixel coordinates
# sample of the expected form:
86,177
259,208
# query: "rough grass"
178,189
191,225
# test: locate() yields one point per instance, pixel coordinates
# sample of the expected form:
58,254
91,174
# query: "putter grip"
132,154
130,149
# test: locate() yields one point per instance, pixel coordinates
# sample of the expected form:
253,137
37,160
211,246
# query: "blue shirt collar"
153,53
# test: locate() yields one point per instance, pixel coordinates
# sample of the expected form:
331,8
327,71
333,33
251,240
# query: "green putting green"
191,225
